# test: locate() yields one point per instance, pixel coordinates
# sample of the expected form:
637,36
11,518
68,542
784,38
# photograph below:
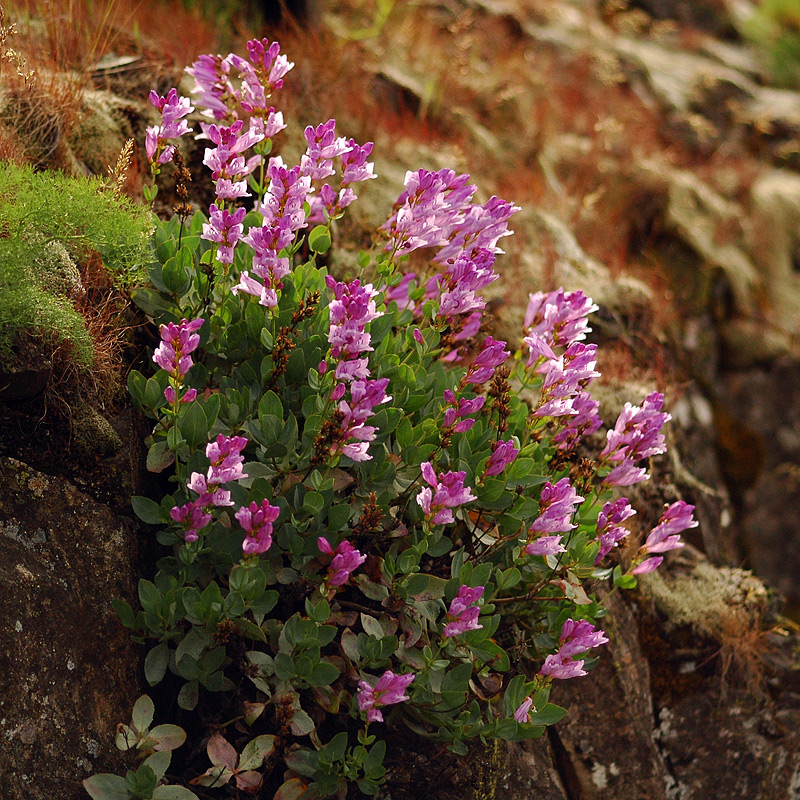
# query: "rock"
65,557
607,736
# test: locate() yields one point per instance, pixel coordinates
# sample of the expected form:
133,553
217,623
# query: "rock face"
65,556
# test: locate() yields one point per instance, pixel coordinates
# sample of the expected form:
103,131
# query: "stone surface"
65,556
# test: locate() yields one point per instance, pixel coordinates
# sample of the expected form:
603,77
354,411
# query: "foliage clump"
51,227
369,523
775,28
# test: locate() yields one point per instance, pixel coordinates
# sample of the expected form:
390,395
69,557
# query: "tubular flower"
665,536
491,356
463,613
364,396
458,415
564,379
213,84
389,689
173,108
428,210
286,195
192,517
256,521
609,526
503,454
586,420
225,229
448,493
346,560
558,318
523,712
636,435
576,637
173,355
225,455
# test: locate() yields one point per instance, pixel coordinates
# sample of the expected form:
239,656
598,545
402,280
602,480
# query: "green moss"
775,28
49,223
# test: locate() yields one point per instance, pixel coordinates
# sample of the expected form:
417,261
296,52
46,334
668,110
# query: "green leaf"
188,695
194,425
319,240
155,663
147,510
293,789
124,612
143,710
323,674
159,457
169,737
549,715
136,386
173,793
256,751
302,724
107,787
159,762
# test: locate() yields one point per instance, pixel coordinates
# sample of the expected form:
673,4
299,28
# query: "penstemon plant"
366,514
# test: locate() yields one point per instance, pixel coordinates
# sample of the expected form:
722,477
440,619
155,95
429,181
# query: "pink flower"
556,506
546,546
177,342
503,454
389,689
173,126
193,518
346,560
449,492
225,229
665,536
522,714
577,636
609,526
256,521
225,455
491,356
558,318
463,613
636,435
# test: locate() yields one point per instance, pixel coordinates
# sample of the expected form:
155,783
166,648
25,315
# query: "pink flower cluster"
225,229
173,355
492,354
389,689
503,454
609,526
635,436
556,508
173,125
351,310
346,560
226,459
228,166
256,521
665,536
577,636
458,412
446,493
317,163
261,73
463,613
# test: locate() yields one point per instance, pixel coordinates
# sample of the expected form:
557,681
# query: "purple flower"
256,521
389,689
636,435
286,196
173,108
458,416
228,167
546,546
503,454
364,396
577,636
192,517
609,526
346,560
463,613
562,667
448,493
491,356
665,536
522,714
225,455
584,421
177,342
270,64
323,146
565,378
480,229
556,507
428,210
213,495
351,310
212,83
461,280
225,229
559,318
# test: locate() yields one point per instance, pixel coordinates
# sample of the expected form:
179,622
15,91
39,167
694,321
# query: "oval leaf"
293,789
